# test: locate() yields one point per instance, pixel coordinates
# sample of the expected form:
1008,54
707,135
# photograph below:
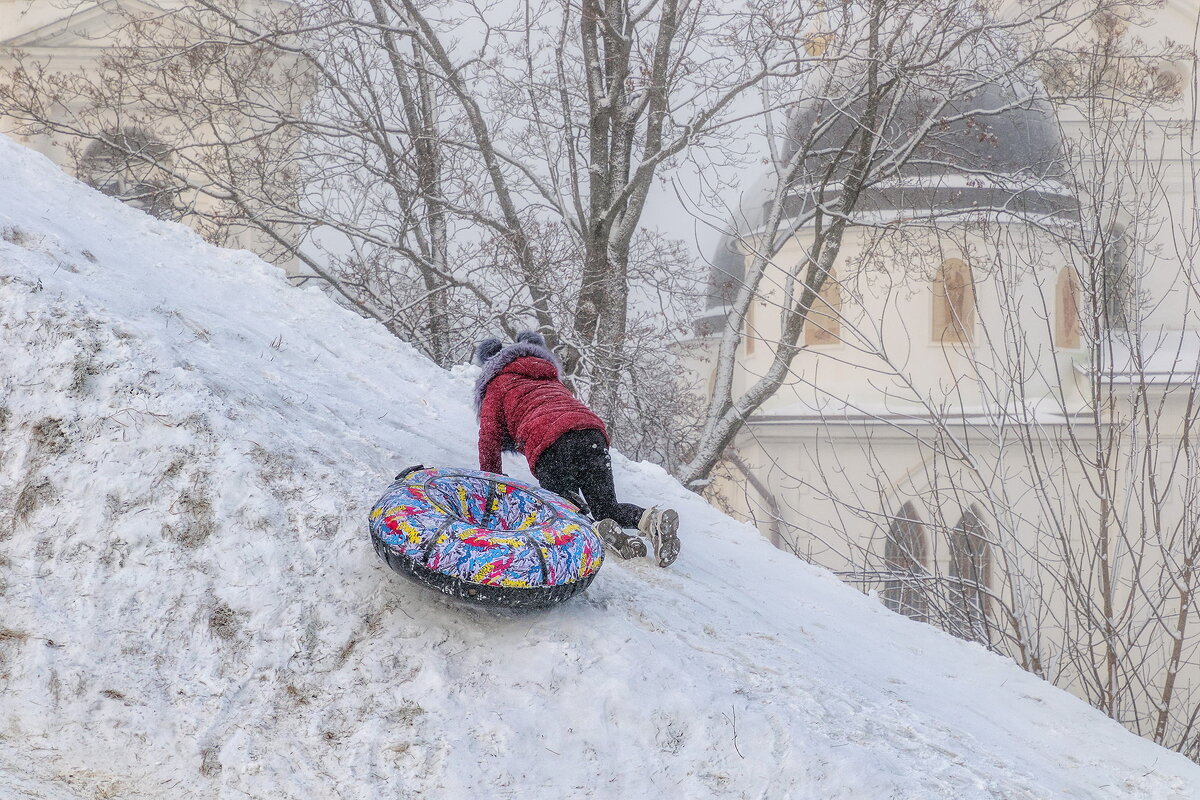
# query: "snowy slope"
189,606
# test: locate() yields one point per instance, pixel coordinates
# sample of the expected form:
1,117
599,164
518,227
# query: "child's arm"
491,434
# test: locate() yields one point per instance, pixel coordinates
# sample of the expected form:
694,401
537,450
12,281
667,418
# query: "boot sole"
666,538
619,542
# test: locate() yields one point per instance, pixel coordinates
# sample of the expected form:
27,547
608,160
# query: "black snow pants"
578,463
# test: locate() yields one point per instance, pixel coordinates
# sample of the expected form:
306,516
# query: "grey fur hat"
486,349
492,355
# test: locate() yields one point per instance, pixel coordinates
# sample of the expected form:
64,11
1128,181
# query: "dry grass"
10,635
223,622
35,494
50,436
197,521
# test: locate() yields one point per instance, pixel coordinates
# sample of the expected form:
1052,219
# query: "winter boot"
618,541
661,527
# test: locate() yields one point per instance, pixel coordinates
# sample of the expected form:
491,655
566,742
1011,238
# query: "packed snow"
190,606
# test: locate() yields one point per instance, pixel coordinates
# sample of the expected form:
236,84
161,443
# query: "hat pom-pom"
486,349
531,337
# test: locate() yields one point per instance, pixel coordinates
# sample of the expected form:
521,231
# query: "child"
524,407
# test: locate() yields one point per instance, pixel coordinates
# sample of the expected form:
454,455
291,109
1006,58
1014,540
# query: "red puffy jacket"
525,405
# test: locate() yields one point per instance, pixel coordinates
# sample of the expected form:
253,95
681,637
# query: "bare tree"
898,90
447,170
1029,480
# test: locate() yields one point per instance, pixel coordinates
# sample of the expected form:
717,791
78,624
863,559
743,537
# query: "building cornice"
79,16
895,420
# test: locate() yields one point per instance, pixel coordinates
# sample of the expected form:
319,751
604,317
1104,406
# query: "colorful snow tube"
485,537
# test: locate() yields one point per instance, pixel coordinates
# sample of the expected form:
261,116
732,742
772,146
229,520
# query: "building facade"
120,152
990,424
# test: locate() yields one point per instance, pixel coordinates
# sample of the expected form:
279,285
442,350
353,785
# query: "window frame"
948,325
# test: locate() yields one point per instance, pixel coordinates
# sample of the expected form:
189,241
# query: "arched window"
1117,291
904,556
1066,310
823,325
954,302
815,44
971,577
131,165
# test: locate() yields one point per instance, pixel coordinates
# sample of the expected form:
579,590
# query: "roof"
992,150
42,23
46,24
1148,358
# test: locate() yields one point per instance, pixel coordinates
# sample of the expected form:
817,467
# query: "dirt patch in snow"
223,622
194,518
50,437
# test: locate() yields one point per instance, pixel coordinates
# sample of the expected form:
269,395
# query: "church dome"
997,147
993,151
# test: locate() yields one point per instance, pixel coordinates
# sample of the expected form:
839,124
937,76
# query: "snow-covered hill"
189,605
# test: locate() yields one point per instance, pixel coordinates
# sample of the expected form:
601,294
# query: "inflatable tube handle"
409,471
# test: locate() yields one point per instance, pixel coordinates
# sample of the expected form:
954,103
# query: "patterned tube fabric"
486,529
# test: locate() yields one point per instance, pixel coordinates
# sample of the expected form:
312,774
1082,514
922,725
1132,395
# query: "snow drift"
190,607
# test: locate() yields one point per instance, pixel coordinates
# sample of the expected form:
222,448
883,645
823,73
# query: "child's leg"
557,469
660,525
569,466
596,481
578,463
565,488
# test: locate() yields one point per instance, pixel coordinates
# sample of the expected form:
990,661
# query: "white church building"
991,423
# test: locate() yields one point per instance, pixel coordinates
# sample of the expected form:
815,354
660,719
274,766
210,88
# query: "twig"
733,724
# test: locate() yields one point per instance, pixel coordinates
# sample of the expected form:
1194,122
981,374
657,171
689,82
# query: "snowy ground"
189,606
